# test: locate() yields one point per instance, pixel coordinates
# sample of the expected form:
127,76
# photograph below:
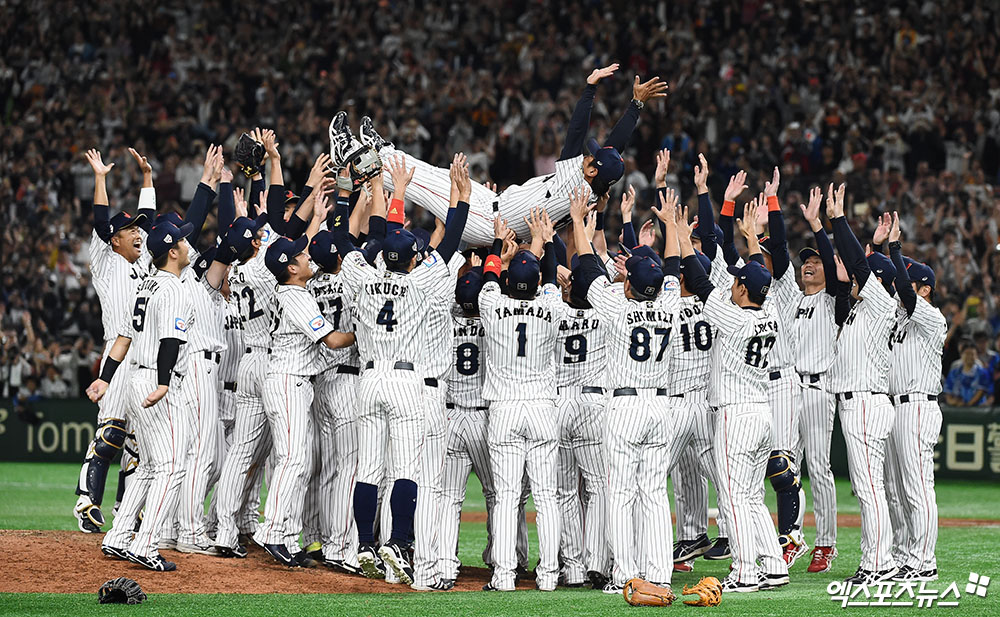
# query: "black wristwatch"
895,245
638,104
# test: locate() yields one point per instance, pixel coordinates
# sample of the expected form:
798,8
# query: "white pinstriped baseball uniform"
467,446
860,371
253,287
783,392
206,342
580,366
691,355
738,388
639,427
293,361
522,432
431,187
916,343
335,455
816,331
161,310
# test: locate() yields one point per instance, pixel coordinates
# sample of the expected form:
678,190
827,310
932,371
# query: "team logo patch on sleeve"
180,324
671,284
317,323
431,260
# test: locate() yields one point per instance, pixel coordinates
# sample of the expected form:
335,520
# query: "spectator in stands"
969,384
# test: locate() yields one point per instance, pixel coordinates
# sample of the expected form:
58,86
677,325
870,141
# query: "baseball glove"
709,591
363,164
249,154
121,590
638,592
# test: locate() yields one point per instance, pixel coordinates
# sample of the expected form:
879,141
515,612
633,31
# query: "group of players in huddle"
380,365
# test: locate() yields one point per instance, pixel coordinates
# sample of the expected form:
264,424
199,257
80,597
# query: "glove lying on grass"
638,592
121,590
708,590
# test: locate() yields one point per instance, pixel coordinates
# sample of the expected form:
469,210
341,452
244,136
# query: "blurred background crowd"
900,100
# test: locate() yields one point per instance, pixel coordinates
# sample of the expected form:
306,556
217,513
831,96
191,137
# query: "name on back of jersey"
686,313
647,315
470,329
525,309
765,327
386,288
578,324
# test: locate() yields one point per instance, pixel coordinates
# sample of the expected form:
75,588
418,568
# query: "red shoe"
684,566
822,559
792,550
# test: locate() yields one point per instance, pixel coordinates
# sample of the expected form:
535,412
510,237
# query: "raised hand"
548,228
400,176
318,171
652,89
628,201
662,166
835,201
141,161
270,143
683,227
771,188
258,135
534,222
598,74
882,231
811,212
227,174
321,206
894,232
97,164
509,248
239,202
748,224
647,235
737,184
842,274
500,229
578,204
668,206
589,227
492,186
701,175
208,166
620,268
460,176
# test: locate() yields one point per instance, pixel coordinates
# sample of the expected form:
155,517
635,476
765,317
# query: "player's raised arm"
843,236
401,178
776,227
695,277
454,228
811,213
204,195
579,122
340,229
907,297
600,242
667,215
227,202
628,230
706,213
257,184
621,134
748,228
737,184
376,218
147,194
842,299
102,220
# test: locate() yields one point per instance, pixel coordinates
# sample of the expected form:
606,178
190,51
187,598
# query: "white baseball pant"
224,435
816,431
742,447
287,399
693,467
202,385
427,517
583,543
916,430
866,419
523,436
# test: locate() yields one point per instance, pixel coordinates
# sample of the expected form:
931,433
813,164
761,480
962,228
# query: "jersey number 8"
467,359
639,349
757,349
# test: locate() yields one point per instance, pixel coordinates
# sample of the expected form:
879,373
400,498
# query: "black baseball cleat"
396,557
904,574
720,551
342,566
445,584
303,559
114,551
870,577
371,564
225,551
731,585
280,554
522,573
317,556
153,562
370,137
597,580
772,581
686,550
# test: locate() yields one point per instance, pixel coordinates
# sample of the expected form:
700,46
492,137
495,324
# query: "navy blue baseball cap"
281,253
882,267
243,231
645,251
645,276
399,247
919,273
806,253
523,273
291,198
423,239
165,236
753,276
609,163
204,261
703,259
718,231
124,220
168,217
467,290
323,250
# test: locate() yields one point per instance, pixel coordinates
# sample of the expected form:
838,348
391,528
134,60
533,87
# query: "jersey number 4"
386,316
639,348
757,349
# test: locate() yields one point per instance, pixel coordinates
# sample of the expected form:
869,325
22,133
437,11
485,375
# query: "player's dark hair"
930,296
756,298
283,276
161,262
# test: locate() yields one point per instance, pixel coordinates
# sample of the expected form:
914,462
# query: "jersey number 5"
385,316
757,350
139,313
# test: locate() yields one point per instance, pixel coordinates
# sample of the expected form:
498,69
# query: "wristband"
728,208
345,184
638,104
397,212
492,264
600,221
897,245
108,372
772,204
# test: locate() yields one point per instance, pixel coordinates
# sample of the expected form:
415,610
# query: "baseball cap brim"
131,222
298,246
592,146
734,270
808,252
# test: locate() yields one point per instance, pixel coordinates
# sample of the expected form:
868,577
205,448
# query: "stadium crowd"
899,99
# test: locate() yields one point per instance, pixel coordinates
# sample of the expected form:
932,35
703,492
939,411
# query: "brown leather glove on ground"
708,590
638,592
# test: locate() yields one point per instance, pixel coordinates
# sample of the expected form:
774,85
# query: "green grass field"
39,496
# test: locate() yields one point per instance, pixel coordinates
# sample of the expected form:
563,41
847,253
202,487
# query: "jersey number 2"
385,316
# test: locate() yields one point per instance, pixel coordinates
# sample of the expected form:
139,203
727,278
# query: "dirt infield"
71,562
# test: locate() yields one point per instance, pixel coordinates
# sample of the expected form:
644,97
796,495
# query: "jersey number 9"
576,349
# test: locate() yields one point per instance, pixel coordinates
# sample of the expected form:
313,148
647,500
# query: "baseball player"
860,379
916,344
467,425
118,264
738,388
639,423
389,310
600,167
816,332
293,358
162,313
521,330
